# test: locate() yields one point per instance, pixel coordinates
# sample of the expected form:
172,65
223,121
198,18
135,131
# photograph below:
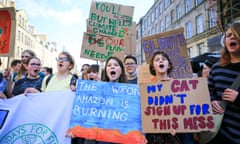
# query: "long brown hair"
23,70
225,55
122,78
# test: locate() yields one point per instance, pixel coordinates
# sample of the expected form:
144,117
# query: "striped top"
219,79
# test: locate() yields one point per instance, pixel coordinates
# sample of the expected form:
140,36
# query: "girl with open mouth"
160,66
32,81
114,71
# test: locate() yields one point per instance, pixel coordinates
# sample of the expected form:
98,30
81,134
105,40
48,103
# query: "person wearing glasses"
63,78
32,80
130,65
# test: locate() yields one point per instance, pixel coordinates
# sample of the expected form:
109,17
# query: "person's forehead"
130,59
26,53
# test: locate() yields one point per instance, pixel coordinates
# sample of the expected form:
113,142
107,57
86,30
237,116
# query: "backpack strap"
48,79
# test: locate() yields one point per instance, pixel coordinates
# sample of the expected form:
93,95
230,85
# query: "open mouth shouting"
161,66
113,75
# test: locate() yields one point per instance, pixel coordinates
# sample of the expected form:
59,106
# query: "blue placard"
107,105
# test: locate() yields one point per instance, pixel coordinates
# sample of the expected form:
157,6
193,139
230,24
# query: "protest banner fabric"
37,118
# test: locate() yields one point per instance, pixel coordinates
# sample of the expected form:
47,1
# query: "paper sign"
180,104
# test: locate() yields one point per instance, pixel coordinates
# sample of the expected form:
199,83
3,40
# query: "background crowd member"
7,76
130,64
32,80
84,70
26,54
63,79
220,79
93,72
46,71
15,67
3,84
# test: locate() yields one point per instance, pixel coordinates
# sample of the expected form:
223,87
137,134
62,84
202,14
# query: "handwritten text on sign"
101,47
173,43
107,105
110,19
183,105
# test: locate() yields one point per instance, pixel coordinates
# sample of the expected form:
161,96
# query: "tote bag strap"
236,83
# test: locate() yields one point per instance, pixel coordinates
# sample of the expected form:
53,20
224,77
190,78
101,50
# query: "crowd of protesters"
28,76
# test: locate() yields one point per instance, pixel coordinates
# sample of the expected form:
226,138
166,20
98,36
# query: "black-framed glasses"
64,59
35,64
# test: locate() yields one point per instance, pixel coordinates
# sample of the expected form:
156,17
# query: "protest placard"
173,43
7,31
101,47
106,112
180,104
110,19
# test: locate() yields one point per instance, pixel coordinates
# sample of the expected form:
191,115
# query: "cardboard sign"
144,74
107,111
180,104
173,43
5,31
101,47
110,19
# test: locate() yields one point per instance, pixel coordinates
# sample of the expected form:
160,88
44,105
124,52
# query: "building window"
167,21
22,37
23,22
18,51
212,16
188,5
149,20
179,12
161,7
200,48
197,2
161,26
189,51
19,19
19,35
167,3
156,12
172,16
188,30
199,24
153,16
